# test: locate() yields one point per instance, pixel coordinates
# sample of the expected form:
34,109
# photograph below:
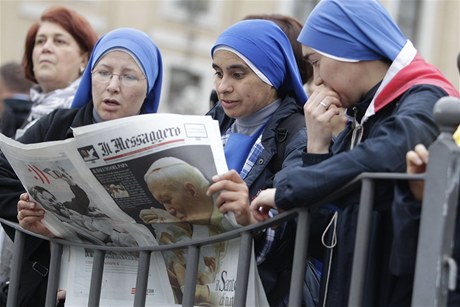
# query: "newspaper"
102,187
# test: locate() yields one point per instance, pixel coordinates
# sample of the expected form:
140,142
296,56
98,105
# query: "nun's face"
240,91
348,80
119,86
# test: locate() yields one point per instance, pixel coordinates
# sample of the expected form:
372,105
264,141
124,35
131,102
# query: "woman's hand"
262,204
30,216
416,161
321,107
232,196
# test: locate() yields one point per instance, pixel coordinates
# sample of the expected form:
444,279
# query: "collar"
407,70
252,122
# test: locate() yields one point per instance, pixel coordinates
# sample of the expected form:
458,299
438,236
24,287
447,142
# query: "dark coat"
53,127
261,177
15,113
406,214
388,135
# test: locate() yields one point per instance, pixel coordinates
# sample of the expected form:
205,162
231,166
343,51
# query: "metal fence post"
242,274
96,278
362,239
15,273
53,274
142,279
188,298
439,209
300,257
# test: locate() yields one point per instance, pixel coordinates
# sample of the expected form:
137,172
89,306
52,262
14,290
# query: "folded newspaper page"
136,181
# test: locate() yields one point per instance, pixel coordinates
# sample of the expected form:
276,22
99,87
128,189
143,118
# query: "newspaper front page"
136,181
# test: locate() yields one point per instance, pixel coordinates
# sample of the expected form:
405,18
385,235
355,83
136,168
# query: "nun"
262,125
123,78
362,62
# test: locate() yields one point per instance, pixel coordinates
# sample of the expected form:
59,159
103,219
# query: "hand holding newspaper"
136,181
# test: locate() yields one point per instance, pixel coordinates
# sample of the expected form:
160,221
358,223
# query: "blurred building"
186,29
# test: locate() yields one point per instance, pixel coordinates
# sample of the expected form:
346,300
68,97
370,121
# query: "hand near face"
416,161
30,216
232,196
322,106
262,204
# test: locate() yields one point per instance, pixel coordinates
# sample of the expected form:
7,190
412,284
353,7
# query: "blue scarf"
147,55
364,31
264,44
354,30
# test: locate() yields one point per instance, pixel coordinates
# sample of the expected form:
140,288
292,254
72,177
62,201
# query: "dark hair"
291,27
13,78
69,20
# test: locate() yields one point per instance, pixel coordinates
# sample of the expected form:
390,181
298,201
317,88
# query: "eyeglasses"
104,76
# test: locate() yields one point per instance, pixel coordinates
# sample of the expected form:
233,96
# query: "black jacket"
15,113
53,127
261,177
388,135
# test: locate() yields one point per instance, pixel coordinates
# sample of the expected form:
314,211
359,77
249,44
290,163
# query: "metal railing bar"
188,298
96,278
196,243
16,267
437,224
285,216
53,274
362,239
300,256
142,279
242,274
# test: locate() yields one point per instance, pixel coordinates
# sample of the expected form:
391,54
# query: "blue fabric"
238,146
267,47
147,54
358,30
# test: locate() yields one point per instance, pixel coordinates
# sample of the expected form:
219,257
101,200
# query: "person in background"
123,78
56,52
258,92
363,62
320,216
14,106
406,213
14,98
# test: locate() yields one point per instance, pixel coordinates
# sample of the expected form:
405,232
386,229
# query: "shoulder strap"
287,128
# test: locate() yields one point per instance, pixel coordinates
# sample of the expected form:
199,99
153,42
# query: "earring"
82,69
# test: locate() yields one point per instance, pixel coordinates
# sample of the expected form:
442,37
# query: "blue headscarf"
147,55
352,30
264,44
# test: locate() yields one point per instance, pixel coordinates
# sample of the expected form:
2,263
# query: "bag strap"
286,130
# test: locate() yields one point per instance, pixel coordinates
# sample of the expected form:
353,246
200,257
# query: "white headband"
246,60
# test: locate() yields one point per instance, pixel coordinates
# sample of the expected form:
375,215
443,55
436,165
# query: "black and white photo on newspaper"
136,182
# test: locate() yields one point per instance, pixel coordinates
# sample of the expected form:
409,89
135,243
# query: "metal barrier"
433,266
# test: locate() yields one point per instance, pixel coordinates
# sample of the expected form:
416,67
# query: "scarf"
266,46
44,103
